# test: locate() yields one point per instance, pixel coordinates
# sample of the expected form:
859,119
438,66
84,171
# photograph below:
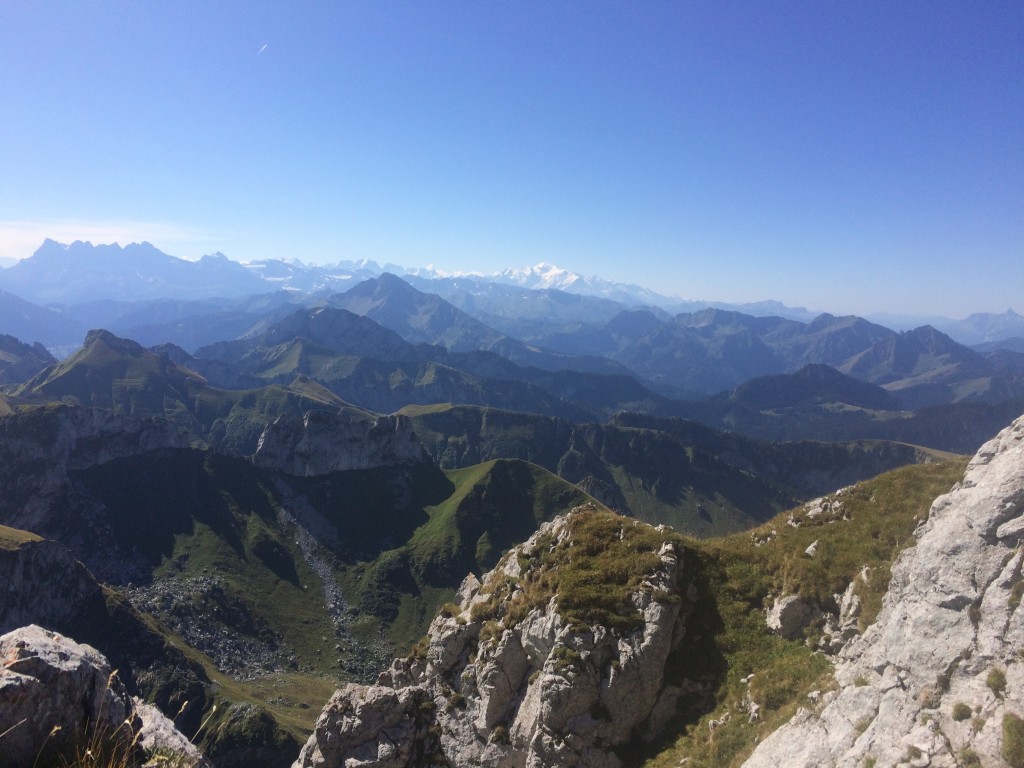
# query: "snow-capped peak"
543,275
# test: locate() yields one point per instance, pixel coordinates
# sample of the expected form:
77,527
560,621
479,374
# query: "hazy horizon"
859,158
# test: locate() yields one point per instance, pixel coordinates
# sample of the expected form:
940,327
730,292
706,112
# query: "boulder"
790,615
59,698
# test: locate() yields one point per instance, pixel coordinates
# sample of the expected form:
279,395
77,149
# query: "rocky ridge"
44,585
524,671
938,679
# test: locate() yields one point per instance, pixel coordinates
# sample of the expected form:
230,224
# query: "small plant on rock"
1013,740
961,711
996,680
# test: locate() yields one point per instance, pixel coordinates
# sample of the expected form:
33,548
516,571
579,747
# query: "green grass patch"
996,680
592,572
961,712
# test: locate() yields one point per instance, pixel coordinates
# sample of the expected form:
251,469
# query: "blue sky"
852,157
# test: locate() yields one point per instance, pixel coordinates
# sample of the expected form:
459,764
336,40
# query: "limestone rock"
159,736
322,442
59,697
790,615
948,639
365,725
502,686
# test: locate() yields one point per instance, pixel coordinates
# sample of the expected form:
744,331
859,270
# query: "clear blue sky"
847,156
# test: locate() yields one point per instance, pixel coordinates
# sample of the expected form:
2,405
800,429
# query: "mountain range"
594,527
80,273
385,344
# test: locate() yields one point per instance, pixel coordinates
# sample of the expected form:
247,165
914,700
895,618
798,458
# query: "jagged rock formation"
59,698
533,667
322,442
938,680
158,735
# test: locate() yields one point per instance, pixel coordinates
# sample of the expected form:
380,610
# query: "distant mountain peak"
542,275
105,338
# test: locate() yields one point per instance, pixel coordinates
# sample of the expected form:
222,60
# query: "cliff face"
511,676
322,442
44,584
40,446
938,679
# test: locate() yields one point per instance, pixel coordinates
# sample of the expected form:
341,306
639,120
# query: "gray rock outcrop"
322,442
938,680
789,615
503,681
159,736
59,698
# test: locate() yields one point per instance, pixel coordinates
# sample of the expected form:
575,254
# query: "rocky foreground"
562,654
60,700
938,679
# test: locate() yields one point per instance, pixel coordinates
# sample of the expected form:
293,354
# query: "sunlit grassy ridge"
592,570
12,538
119,375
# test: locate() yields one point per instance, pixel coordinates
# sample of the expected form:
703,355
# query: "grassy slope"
692,477
12,538
738,578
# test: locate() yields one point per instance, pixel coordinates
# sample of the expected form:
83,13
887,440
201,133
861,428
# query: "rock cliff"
43,584
938,679
541,664
39,446
322,442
